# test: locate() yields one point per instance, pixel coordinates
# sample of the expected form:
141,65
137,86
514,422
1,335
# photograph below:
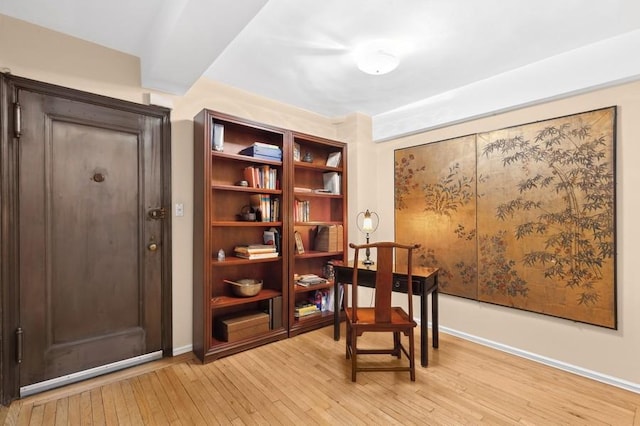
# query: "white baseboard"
182,350
594,375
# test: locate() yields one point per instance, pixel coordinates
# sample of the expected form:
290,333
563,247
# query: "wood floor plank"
37,415
168,409
190,381
49,413
62,411
86,415
183,402
307,380
133,410
74,409
109,406
146,402
113,392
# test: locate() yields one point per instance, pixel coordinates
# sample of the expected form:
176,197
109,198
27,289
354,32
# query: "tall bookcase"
221,204
318,223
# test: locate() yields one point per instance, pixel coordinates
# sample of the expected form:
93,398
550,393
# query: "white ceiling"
302,52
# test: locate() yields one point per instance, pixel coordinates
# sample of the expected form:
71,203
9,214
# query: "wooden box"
236,328
329,238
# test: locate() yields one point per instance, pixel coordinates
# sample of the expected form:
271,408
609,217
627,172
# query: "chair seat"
366,317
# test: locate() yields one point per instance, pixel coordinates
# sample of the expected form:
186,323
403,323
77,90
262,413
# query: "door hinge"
17,120
19,336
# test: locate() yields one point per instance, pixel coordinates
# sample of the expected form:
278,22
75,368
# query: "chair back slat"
386,255
384,284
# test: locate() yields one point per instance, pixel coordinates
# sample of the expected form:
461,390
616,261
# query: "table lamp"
367,223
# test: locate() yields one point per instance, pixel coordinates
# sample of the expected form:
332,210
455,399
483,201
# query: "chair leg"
412,360
354,355
347,339
397,352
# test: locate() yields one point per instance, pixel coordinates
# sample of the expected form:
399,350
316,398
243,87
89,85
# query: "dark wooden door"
90,241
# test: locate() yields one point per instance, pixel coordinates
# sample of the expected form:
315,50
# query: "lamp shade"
367,223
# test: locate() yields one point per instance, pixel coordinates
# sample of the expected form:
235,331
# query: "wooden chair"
382,317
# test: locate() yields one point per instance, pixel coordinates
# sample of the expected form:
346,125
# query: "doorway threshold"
87,374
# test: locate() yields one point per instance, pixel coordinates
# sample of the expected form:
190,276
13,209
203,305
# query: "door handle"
153,247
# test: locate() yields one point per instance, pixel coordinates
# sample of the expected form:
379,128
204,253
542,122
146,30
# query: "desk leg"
434,314
424,342
336,310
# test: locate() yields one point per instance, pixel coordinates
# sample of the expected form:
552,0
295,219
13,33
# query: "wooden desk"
425,282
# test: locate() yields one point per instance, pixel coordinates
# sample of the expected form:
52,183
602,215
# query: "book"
267,146
333,159
255,256
255,248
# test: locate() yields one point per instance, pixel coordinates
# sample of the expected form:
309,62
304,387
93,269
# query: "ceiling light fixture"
376,58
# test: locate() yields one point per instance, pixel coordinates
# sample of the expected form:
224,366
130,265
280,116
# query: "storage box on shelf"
319,214
229,212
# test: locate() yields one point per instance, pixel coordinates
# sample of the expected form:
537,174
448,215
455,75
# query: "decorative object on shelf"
367,223
246,287
248,214
333,159
299,245
221,255
296,152
332,182
218,137
308,158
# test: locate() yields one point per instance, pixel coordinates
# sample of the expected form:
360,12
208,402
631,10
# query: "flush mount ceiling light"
376,58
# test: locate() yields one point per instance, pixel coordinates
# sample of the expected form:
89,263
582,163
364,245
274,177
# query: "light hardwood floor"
306,380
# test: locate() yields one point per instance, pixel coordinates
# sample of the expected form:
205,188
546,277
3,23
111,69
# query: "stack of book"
305,309
308,280
264,151
256,251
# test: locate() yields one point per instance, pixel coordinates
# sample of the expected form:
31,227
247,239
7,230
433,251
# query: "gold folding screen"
521,217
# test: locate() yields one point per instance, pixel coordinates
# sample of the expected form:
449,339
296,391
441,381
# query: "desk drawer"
400,283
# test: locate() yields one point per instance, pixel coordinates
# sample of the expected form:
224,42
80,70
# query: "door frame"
9,216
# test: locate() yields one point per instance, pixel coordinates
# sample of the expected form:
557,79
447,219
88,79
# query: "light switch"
179,209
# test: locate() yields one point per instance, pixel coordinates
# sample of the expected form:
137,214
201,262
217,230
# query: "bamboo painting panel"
546,217
435,206
542,196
